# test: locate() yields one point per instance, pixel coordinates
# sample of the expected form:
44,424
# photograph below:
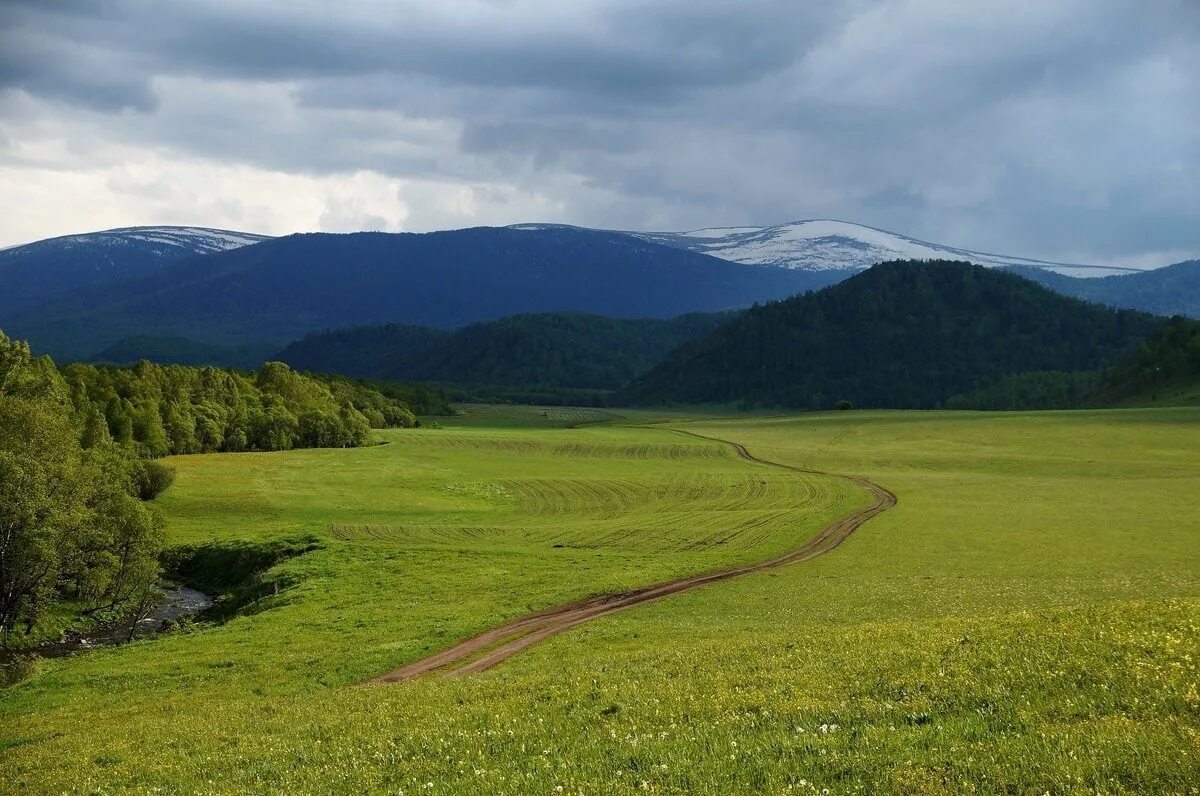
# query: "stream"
178,602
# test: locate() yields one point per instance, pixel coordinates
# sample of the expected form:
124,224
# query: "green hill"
535,351
1165,371
902,334
361,351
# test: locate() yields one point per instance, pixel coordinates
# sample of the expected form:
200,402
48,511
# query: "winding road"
494,646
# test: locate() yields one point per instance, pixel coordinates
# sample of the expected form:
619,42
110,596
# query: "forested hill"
1165,370
363,352
902,334
284,288
534,351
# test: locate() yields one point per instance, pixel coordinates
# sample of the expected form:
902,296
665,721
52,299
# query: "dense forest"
1165,363
76,464
1166,366
902,334
166,409
535,352
1036,390
363,352
73,526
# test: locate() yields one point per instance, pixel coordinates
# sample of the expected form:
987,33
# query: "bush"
844,405
154,479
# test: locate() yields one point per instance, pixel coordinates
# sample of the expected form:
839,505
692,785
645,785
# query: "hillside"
184,351
1172,290
902,334
287,287
1165,371
37,271
362,352
547,350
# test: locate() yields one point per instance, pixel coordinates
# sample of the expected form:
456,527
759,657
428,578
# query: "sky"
1060,129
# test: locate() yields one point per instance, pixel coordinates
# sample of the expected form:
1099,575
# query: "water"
179,602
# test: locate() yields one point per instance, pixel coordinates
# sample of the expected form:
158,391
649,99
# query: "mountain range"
231,295
280,289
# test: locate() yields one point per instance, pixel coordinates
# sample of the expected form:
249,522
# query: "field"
1026,619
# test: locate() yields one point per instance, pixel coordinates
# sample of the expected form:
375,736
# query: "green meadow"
1025,620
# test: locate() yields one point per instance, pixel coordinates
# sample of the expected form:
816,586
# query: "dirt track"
494,646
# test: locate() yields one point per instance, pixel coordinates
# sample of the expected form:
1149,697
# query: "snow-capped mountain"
36,271
167,240
823,244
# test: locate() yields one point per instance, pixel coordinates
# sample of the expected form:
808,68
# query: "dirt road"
494,646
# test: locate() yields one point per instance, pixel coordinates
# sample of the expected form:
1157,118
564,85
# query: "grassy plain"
1025,620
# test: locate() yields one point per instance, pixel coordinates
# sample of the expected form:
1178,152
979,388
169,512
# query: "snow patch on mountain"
826,244
167,240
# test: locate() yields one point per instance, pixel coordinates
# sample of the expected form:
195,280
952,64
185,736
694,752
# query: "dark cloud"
1043,128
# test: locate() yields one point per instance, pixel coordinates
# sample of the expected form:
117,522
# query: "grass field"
1025,620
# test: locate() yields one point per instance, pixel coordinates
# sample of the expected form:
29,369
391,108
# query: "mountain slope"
286,287
534,351
184,351
362,352
823,244
36,271
1172,290
1165,371
902,334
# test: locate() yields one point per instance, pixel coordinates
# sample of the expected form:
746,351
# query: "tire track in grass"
482,652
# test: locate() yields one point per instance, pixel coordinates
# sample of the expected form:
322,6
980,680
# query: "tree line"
172,409
77,450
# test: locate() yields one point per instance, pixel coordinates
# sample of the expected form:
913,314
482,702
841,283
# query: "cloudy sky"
1063,129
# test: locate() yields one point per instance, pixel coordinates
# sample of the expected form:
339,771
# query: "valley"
1033,593
598,399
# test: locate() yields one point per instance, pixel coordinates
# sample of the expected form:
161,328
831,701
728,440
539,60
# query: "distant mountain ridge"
1171,290
284,288
76,295
34,272
825,244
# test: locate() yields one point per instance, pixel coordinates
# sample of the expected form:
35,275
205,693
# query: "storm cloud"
1063,129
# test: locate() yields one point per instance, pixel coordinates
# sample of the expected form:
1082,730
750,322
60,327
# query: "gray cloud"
1057,128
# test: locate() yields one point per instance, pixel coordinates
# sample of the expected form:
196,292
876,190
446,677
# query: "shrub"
154,479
